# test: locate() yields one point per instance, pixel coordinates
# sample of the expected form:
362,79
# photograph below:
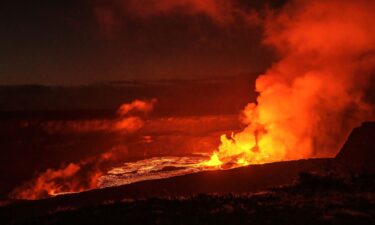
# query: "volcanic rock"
358,153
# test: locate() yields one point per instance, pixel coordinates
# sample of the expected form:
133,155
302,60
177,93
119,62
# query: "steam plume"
313,96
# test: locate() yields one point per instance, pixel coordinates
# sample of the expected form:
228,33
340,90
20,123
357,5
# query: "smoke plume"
314,95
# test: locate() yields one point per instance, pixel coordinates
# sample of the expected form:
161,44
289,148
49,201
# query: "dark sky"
70,42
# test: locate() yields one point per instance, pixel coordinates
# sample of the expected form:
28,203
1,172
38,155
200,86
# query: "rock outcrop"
358,153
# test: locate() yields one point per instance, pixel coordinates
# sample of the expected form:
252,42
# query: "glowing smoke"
313,96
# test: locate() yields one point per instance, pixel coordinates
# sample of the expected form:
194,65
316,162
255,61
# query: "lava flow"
155,168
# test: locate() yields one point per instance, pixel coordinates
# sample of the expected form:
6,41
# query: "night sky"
73,42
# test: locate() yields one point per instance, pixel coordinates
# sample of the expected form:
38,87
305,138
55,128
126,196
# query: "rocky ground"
312,199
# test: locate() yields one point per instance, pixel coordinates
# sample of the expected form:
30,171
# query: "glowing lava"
155,168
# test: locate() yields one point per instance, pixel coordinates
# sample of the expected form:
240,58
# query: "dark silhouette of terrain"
311,200
313,191
358,153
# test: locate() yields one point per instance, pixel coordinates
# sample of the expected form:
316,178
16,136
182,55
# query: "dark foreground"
312,199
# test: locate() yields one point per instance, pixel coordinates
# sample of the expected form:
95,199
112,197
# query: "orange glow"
214,161
136,106
84,175
312,97
308,101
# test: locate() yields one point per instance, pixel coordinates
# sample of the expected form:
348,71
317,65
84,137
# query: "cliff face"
358,153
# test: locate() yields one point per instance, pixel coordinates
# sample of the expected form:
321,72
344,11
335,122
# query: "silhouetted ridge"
358,152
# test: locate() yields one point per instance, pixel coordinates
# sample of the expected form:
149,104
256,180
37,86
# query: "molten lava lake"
154,168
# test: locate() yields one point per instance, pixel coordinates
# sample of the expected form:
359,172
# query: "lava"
155,168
